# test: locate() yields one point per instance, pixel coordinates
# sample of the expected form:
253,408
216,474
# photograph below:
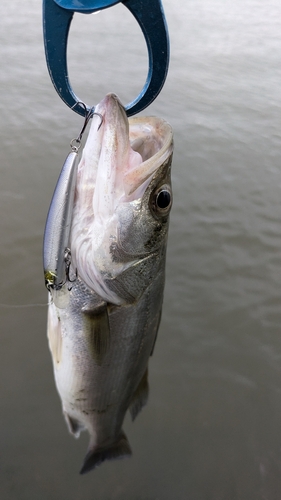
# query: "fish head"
122,202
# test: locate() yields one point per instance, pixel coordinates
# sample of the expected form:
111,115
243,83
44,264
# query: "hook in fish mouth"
88,115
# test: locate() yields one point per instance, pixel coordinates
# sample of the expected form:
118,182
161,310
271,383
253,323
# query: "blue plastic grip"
57,17
86,6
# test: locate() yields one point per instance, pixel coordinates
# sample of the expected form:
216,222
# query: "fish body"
103,335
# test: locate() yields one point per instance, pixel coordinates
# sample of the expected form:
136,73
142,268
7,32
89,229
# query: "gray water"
212,428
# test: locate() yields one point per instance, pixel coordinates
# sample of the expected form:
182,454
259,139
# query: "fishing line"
22,306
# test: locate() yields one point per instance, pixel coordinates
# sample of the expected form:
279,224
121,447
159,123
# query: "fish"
103,332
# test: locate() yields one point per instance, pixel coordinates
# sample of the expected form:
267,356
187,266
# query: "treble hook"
67,261
88,115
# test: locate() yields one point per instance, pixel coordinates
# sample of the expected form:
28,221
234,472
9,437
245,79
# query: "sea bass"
103,331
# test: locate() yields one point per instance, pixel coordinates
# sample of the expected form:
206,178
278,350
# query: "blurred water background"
212,428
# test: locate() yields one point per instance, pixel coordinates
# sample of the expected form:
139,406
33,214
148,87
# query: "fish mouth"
130,150
120,155
119,160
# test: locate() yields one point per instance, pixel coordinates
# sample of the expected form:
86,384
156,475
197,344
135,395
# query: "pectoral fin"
95,456
97,332
54,335
140,396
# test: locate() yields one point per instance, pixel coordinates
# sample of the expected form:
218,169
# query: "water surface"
212,428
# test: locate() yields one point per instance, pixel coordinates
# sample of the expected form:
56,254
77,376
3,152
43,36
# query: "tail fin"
95,456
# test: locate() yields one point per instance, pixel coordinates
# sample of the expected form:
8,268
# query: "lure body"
56,253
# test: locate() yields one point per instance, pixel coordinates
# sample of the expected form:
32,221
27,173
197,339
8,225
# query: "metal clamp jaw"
57,17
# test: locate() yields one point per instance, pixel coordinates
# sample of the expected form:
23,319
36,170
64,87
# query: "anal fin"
95,456
156,331
140,396
73,425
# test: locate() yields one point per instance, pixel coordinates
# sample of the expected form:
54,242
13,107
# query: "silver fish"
102,336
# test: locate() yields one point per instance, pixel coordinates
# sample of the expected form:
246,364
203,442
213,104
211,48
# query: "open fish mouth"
118,163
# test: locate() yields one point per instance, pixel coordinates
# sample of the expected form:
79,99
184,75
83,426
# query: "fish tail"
95,456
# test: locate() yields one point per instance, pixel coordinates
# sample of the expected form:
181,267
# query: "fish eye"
162,200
